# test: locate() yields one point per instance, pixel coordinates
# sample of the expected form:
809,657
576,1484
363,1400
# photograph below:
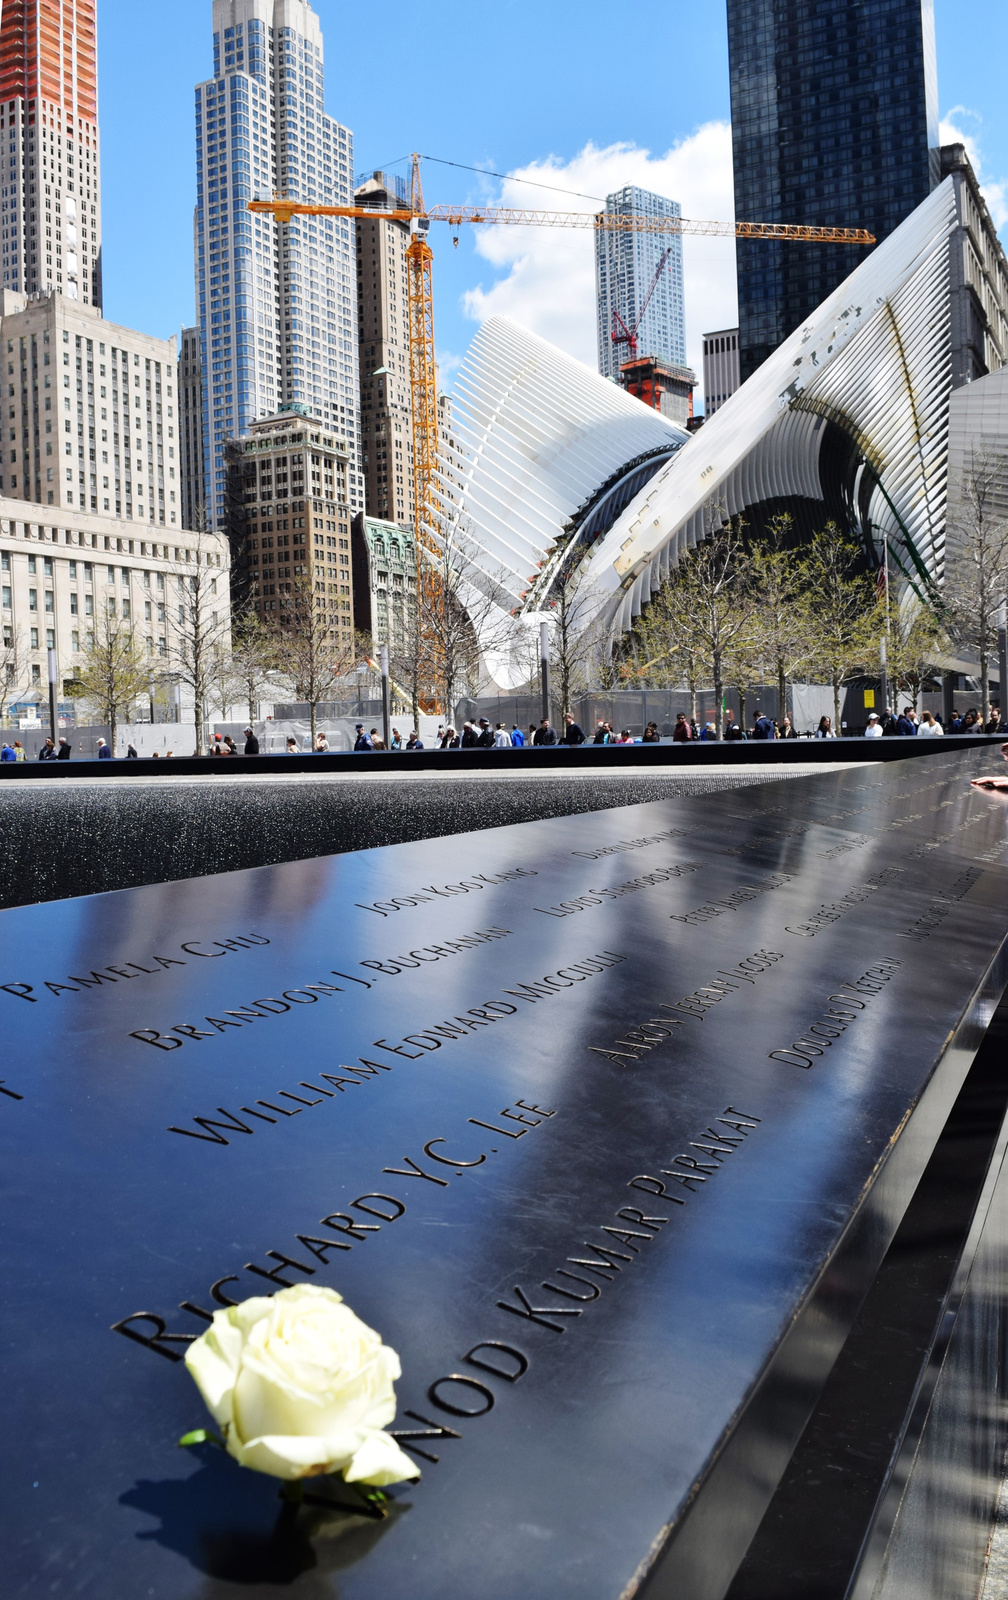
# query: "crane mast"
423,383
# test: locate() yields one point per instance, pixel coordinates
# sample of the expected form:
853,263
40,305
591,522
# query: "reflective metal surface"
672,1221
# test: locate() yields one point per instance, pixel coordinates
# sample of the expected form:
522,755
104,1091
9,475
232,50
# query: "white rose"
300,1386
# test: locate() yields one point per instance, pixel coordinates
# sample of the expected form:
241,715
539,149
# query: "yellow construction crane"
423,390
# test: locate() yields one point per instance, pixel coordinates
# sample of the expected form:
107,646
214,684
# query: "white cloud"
546,276
951,130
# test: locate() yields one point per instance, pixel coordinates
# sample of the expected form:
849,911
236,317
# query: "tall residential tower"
49,177
276,304
834,109
625,269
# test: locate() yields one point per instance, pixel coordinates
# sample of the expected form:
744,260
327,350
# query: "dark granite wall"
88,836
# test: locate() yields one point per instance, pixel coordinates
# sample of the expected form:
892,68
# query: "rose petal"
379,1461
214,1361
293,1456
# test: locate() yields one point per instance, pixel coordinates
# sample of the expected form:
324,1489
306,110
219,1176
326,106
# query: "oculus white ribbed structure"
548,443
851,413
875,362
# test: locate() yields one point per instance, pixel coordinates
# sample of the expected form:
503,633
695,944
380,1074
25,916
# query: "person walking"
544,734
601,733
321,745
930,727
763,727
501,738
292,745
377,742
573,733
995,725
63,751
131,754
907,723
825,729
732,731
517,738
48,750
7,753
682,733
786,729
485,737
362,742
874,728
20,753
652,736
251,743
708,733
396,740
413,742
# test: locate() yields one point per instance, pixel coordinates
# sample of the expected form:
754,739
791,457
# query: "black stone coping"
159,823
618,1256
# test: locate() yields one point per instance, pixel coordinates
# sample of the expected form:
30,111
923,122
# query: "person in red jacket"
682,731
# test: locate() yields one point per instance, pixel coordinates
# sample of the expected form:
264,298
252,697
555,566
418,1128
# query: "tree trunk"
741,708
311,715
692,693
718,694
984,681
781,690
836,704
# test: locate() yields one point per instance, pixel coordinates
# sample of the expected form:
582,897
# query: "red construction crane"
621,334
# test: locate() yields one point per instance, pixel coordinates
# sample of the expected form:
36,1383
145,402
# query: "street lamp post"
383,659
51,659
544,664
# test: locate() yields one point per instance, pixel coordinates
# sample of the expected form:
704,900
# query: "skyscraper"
276,303
383,329
190,410
834,121
625,267
49,170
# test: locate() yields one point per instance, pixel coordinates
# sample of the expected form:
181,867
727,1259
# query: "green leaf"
200,1436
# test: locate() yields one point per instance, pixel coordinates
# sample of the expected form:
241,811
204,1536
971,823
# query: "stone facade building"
89,412
288,517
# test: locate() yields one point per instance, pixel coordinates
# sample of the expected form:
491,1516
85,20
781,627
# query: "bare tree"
916,638
462,613
253,658
843,609
781,622
13,667
309,646
197,607
976,572
112,672
703,611
578,636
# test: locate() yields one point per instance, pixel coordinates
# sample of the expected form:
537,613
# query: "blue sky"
586,96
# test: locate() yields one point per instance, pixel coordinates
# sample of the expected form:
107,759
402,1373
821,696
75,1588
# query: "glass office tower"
834,121
625,267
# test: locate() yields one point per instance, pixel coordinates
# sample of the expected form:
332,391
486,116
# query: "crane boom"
418,218
283,209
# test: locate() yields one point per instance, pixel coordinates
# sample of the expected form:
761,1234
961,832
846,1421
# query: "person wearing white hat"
874,728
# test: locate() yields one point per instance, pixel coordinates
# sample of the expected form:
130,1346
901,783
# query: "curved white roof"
542,433
875,359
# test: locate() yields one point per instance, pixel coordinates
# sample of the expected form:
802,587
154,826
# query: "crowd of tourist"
482,735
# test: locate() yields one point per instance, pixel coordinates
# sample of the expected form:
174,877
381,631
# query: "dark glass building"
834,121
